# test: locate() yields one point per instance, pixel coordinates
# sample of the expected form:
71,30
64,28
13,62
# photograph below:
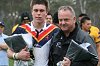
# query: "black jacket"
60,45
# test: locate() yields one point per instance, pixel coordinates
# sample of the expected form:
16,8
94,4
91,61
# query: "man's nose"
63,22
38,12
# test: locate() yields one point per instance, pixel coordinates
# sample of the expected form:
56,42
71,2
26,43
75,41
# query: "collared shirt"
41,45
33,28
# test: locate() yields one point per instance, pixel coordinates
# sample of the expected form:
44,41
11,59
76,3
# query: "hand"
66,62
24,54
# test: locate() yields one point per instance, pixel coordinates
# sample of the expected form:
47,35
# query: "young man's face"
39,13
25,21
86,25
49,19
66,21
1,29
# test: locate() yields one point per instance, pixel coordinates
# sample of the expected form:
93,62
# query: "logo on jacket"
58,44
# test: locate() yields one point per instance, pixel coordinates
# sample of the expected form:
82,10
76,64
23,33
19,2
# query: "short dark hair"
83,15
55,18
83,20
49,13
44,2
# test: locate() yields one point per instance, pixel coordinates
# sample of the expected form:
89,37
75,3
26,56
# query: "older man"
70,31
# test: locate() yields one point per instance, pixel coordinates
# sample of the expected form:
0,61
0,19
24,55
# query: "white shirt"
41,54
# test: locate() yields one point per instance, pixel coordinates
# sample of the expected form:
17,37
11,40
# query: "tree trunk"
83,5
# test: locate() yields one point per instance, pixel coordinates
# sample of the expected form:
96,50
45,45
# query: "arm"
98,50
3,47
22,55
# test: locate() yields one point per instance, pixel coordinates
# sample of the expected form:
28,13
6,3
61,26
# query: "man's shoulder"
19,30
82,33
54,27
82,36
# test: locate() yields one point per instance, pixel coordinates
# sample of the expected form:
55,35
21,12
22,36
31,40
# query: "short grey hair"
67,8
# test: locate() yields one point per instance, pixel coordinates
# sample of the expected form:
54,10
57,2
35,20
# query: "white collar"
33,28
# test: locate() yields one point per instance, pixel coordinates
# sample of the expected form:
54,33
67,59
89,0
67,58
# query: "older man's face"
66,21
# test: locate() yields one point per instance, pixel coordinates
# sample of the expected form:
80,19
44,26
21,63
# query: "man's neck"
85,30
38,25
68,32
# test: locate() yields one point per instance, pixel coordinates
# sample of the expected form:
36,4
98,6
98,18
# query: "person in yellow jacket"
94,32
14,28
86,25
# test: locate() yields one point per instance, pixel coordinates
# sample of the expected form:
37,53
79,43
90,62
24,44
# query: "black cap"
55,18
2,23
25,16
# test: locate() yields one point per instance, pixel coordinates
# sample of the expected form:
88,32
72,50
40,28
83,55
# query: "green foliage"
12,6
54,5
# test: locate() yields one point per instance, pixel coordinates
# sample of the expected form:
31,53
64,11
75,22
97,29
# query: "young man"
25,18
81,16
4,61
61,41
41,32
86,25
49,18
55,18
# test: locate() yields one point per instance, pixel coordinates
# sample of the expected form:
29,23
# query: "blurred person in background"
55,18
25,18
4,61
49,18
86,25
81,16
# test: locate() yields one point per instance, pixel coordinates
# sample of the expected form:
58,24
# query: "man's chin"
64,30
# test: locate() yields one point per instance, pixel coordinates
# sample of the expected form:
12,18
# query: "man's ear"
47,14
74,19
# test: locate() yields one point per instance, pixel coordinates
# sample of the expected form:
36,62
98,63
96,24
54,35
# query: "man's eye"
41,10
60,20
36,10
1,26
65,19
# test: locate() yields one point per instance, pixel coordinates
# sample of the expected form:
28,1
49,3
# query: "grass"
11,62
